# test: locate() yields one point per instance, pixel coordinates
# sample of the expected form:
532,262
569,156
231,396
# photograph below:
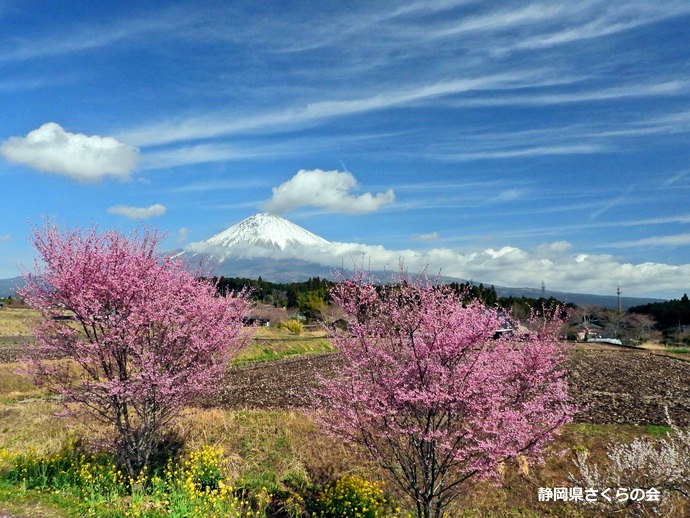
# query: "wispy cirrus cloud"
596,19
676,121
432,236
509,195
526,151
612,203
98,35
282,120
204,153
674,240
672,180
672,87
220,185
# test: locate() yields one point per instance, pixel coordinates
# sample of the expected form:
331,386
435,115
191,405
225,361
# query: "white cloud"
425,237
328,190
137,212
51,149
553,263
5,237
182,235
675,240
510,195
315,112
550,249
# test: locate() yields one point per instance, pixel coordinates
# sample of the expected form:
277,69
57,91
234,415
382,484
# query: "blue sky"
504,142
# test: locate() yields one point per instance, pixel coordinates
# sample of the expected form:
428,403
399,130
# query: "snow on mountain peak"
266,231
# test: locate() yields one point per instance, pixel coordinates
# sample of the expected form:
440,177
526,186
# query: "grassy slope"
14,322
271,343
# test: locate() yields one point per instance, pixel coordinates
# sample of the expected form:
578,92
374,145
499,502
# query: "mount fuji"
265,245
265,231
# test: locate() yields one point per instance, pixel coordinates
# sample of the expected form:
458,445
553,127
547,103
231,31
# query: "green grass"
17,502
656,431
274,344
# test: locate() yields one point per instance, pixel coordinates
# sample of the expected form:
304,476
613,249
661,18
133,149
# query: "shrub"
642,465
292,325
197,486
352,497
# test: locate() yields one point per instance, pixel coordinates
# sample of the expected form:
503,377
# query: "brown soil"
608,384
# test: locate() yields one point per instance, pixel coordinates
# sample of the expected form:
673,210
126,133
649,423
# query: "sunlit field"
15,322
260,462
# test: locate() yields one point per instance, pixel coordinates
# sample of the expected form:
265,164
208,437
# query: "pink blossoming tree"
432,394
144,337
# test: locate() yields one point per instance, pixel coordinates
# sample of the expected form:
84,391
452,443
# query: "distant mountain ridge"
579,299
7,286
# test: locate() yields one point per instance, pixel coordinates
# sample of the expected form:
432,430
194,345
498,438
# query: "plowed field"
609,385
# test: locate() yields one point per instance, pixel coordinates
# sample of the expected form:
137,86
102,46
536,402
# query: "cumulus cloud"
138,212
328,190
550,249
553,263
51,149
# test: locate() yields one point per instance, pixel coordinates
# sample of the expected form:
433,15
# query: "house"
588,332
265,315
252,320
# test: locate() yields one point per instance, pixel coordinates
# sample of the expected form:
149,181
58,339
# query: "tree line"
312,299
675,312
672,318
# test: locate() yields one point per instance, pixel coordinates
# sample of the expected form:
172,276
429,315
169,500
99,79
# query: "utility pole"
618,291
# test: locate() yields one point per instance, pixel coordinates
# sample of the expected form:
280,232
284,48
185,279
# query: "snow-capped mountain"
264,245
266,231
